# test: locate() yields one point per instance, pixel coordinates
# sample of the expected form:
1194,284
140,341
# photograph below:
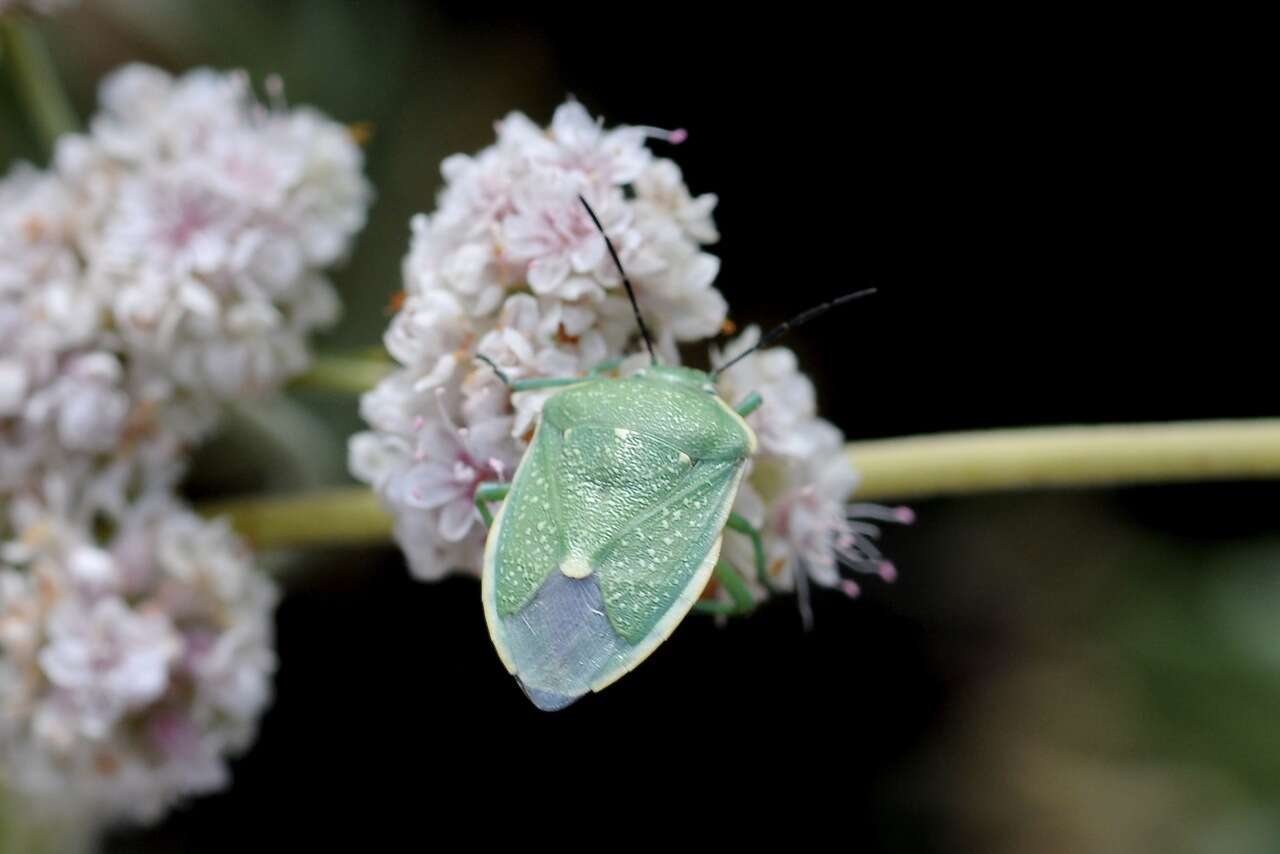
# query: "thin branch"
1055,457
914,467
344,374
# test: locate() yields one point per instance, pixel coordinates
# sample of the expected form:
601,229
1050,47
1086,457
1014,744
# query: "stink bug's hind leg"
750,404
743,602
531,384
489,491
739,523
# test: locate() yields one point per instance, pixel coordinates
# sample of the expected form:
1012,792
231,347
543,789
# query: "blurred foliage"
1127,691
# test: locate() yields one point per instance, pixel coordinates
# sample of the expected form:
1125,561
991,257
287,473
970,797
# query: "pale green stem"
1052,457
891,469
320,517
31,67
347,374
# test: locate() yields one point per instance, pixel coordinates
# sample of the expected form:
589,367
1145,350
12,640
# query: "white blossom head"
510,266
131,668
801,482
69,394
208,221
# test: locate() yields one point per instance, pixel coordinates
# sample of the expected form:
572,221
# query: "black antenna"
635,306
787,325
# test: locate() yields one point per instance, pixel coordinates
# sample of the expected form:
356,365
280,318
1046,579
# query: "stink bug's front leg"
738,523
531,384
750,404
743,602
487,492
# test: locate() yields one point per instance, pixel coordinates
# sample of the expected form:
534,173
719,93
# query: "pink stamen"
850,589
674,137
905,515
888,572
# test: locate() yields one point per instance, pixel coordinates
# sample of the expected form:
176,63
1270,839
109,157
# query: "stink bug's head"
690,377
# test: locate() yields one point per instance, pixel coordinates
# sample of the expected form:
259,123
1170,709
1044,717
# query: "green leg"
542,382
490,491
529,384
743,602
750,405
742,526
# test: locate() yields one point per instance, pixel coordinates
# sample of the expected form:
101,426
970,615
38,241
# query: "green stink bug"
612,524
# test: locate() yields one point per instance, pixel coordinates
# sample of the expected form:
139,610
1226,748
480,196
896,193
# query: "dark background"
1062,213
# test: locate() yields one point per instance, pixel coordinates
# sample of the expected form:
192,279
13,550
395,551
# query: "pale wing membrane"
647,566
561,640
600,481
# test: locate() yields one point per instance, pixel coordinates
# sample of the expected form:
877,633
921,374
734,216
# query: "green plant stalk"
344,374
1057,457
333,516
891,469
36,80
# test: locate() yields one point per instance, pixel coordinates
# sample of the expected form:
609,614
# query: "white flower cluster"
172,260
71,395
511,267
207,220
129,669
797,492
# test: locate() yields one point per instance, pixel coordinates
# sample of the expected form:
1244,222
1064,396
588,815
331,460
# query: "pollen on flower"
361,132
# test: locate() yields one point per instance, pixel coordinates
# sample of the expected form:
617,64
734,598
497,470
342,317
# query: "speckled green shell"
611,528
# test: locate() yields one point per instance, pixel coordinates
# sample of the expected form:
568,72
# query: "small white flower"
429,330
86,405
790,403
448,464
551,234
576,142
13,387
103,659
661,190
